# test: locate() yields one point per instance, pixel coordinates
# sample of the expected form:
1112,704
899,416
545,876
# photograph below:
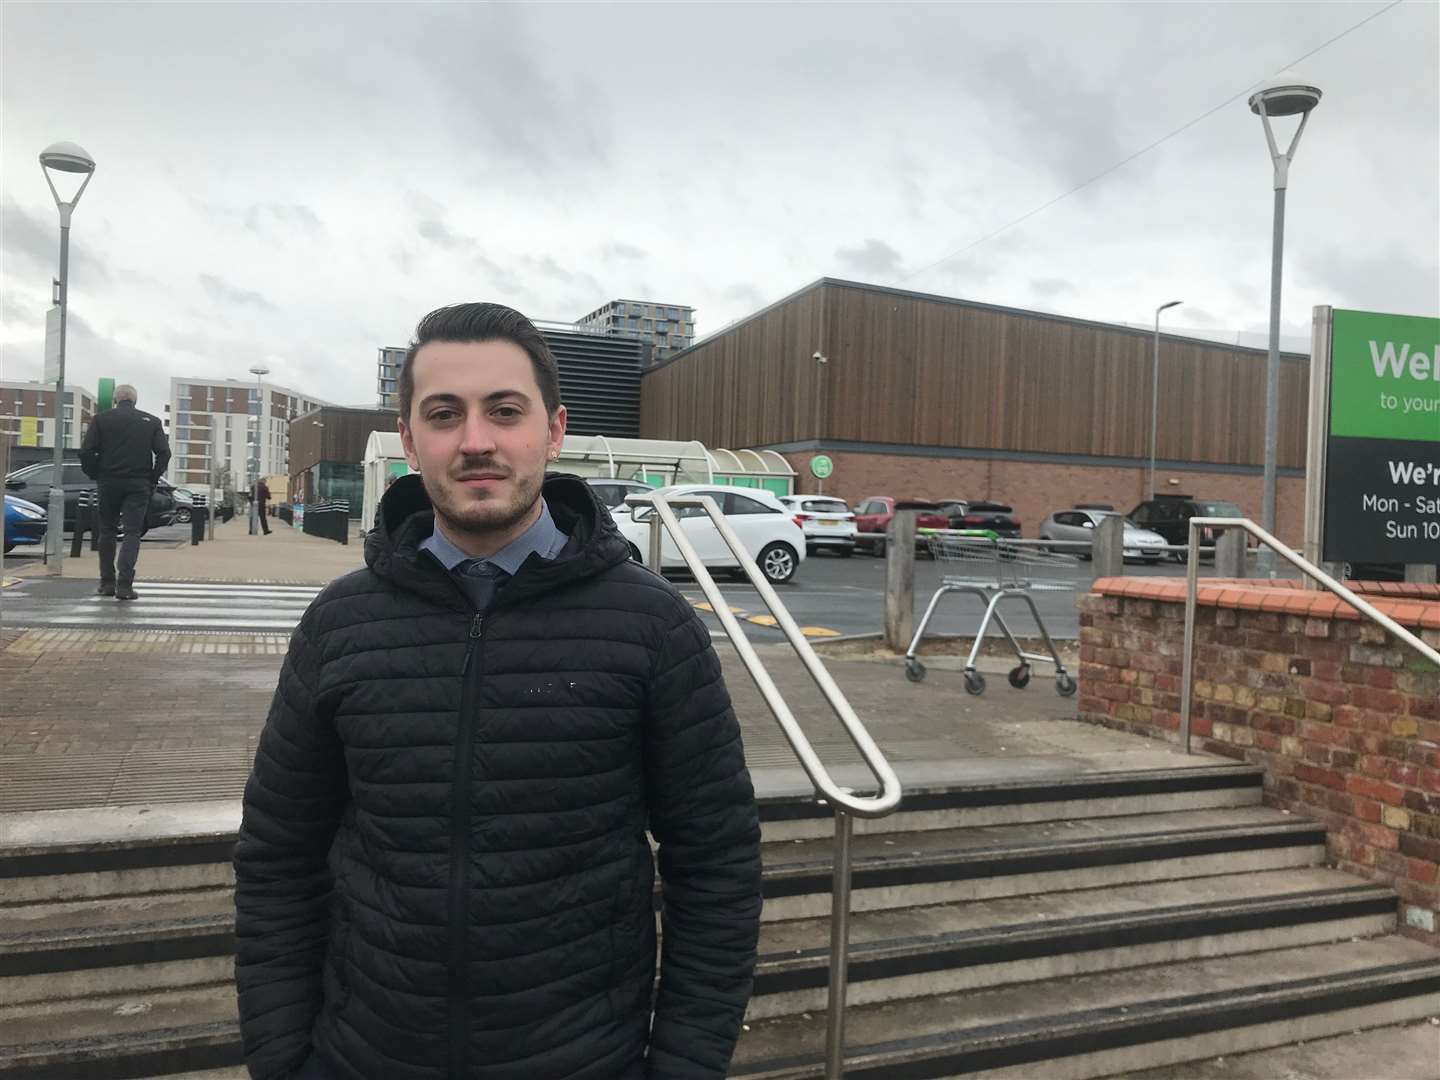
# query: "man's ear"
407,442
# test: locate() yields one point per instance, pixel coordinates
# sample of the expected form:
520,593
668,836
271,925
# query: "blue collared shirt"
480,577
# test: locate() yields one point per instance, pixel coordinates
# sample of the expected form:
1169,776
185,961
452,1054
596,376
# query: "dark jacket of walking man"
443,868
125,452
262,500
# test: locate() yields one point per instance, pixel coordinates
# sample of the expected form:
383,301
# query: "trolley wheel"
1020,676
1064,685
974,683
914,670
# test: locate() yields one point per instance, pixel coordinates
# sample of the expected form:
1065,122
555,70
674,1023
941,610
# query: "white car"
828,523
767,528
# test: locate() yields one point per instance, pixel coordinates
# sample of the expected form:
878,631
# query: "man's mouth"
479,479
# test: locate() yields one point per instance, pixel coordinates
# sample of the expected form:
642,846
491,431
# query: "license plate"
829,521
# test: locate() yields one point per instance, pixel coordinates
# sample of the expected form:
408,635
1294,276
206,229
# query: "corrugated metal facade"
599,381
917,370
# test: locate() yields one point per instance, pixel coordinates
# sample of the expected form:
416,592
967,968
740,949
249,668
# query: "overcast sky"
296,184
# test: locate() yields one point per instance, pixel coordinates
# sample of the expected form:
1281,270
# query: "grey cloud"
33,240
874,259
1047,288
1378,280
440,235
265,218
744,293
226,293
618,249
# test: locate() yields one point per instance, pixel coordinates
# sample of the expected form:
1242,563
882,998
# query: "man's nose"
477,438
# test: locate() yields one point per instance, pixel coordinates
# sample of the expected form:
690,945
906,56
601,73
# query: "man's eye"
507,412
443,416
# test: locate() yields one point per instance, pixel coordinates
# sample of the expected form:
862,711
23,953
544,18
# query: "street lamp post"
820,361
1155,389
259,371
1281,96
65,157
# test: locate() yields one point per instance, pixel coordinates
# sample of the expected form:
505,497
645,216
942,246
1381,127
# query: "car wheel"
846,551
778,563
9,547
182,515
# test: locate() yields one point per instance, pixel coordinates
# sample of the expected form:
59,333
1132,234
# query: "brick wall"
1344,718
1036,489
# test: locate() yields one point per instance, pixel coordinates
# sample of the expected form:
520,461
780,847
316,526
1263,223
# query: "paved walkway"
286,556
119,718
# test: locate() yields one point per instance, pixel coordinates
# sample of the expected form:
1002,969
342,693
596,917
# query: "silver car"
1080,525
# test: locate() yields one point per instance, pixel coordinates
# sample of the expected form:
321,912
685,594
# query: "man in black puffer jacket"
443,869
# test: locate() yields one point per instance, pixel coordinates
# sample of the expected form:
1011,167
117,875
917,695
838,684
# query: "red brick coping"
1411,605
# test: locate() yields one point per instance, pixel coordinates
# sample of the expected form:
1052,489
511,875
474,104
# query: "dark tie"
480,579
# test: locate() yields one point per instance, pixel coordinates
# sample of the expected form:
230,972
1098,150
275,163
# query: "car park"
24,523
874,514
32,483
828,523
1169,515
769,531
1078,525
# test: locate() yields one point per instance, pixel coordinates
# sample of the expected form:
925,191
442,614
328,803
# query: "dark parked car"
1169,515
32,483
996,517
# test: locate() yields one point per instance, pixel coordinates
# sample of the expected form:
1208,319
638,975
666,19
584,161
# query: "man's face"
480,438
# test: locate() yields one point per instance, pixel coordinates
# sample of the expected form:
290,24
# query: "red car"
874,513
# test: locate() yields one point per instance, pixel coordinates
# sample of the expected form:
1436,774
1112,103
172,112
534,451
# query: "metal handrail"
846,804
1305,566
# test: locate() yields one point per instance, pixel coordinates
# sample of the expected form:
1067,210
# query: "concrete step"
928,806
945,866
116,851
1402,1052
115,1036
1102,1024
949,948
115,944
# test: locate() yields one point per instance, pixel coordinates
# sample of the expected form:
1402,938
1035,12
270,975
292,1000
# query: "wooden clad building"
1038,410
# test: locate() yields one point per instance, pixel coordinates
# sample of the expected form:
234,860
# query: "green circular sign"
821,466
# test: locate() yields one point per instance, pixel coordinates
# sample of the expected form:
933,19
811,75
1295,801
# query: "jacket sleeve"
160,447
90,450
702,813
293,802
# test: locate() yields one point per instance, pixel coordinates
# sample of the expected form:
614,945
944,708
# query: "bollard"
900,580
199,515
82,516
95,522
1107,553
1230,554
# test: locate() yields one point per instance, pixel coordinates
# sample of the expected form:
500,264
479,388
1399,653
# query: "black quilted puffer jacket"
442,868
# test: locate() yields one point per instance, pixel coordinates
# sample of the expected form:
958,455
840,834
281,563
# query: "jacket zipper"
459,851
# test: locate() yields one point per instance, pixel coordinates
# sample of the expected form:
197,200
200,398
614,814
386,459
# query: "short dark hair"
476,323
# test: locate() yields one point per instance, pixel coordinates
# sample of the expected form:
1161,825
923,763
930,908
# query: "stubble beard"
463,514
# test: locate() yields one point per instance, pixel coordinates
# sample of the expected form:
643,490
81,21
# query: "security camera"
819,357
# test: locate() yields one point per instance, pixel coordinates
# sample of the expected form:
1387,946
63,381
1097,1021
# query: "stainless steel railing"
1307,568
843,801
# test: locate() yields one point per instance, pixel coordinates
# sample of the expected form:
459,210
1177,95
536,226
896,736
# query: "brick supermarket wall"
1344,719
1035,488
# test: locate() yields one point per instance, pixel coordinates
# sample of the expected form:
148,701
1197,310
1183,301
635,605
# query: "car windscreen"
1220,509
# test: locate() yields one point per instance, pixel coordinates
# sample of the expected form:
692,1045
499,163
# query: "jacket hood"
406,519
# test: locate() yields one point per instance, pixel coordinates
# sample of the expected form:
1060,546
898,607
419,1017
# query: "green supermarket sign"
1384,376
821,467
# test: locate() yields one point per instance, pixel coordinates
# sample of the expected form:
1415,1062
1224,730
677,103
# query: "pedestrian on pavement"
125,452
442,868
262,499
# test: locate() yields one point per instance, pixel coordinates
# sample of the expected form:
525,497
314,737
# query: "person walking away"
125,452
442,870
262,499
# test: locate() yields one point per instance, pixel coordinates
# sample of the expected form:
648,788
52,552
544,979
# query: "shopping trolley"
992,569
